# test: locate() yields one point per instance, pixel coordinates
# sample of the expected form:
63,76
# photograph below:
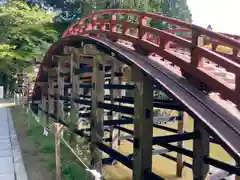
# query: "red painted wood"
151,40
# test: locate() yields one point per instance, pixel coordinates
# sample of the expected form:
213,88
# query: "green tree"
26,33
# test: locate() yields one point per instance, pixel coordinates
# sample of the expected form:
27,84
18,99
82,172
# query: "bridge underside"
97,88
106,80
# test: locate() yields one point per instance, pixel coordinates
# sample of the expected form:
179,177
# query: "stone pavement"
11,163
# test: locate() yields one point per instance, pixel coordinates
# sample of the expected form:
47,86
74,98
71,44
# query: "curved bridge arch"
191,66
218,122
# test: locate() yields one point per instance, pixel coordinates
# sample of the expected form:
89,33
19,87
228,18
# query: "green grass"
70,167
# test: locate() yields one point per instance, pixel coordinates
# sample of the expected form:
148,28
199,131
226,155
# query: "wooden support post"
180,128
39,112
82,59
44,108
126,71
197,40
97,115
114,134
236,164
74,82
60,92
60,115
57,150
143,123
40,106
200,150
50,99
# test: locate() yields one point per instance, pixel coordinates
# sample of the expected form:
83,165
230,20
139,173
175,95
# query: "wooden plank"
60,115
180,128
126,78
57,150
62,58
83,60
51,90
200,150
51,70
70,50
44,108
236,177
60,91
74,91
114,133
41,84
97,115
90,49
143,123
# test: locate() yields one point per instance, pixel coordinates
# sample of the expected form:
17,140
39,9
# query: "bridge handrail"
187,64
184,25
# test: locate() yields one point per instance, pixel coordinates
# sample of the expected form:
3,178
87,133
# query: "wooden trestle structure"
91,85
94,86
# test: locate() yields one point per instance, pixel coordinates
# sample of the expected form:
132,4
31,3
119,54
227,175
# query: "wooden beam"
126,73
60,115
42,84
143,123
200,150
236,176
51,91
97,115
58,129
114,133
62,58
69,50
83,59
50,70
180,129
75,88
44,108
90,49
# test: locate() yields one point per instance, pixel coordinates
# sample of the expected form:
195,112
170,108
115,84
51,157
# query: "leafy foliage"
26,33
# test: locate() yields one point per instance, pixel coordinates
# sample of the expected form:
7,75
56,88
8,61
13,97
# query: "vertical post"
57,150
197,40
143,123
60,92
44,107
97,115
200,150
50,99
125,78
84,61
74,80
114,133
236,176
180,128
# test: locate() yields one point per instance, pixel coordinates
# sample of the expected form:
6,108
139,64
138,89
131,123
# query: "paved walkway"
11,163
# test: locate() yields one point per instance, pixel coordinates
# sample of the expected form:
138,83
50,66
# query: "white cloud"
222,15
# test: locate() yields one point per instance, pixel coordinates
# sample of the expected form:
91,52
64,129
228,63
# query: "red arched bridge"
106,72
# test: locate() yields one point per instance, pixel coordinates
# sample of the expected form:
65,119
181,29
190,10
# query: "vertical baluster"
197,40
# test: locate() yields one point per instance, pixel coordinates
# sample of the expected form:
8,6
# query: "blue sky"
223,15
